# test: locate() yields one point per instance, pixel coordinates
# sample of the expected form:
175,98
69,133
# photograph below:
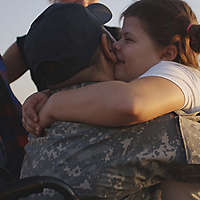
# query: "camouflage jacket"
108,163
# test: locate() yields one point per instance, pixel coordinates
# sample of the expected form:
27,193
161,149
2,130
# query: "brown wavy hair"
166,22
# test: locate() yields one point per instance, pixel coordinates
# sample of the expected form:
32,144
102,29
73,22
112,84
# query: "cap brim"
101,12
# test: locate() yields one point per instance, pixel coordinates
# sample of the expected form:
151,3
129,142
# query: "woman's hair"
167,22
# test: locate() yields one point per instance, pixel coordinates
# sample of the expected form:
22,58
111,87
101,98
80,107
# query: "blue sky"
17,15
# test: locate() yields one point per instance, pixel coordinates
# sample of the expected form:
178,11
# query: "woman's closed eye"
128,39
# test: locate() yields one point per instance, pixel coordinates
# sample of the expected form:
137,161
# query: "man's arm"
14,62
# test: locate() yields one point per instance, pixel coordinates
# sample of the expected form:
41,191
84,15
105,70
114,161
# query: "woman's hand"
46,115
30,111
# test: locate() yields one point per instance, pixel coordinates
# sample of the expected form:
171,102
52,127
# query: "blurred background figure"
83,2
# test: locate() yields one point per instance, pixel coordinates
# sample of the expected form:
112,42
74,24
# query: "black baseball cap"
65,35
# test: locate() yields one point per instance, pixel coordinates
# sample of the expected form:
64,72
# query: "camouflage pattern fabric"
108,163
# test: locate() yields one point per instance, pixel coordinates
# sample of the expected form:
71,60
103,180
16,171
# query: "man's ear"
107,48
169,53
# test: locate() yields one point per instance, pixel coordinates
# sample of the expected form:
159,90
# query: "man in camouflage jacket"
114,163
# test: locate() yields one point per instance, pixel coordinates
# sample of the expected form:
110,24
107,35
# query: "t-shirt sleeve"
184,77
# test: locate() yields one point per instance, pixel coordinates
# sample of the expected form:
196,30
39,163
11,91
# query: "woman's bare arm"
114,103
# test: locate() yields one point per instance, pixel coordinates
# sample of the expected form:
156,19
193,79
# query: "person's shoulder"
175,66
171,68
169,65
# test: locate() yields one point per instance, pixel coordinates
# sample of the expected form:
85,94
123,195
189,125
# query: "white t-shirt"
186,78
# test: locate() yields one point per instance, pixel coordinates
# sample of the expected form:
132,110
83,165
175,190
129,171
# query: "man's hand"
30,110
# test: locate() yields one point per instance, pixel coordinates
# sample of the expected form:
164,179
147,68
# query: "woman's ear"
107,48
169,53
